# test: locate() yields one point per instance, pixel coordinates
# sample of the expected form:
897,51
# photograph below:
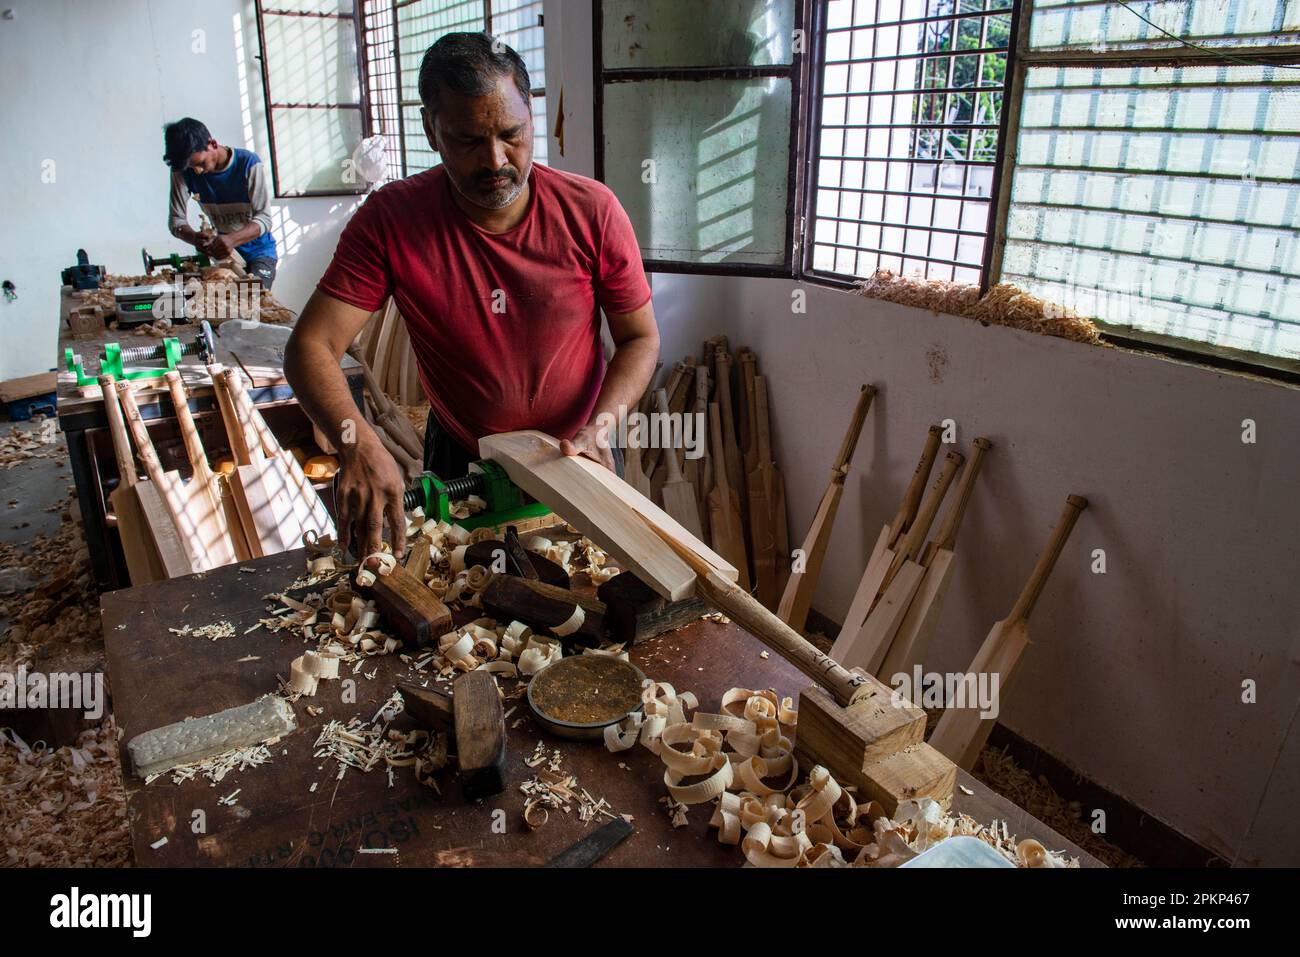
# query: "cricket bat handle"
850,443
117,429
189,431
144,449
947,536
912,499
1074,504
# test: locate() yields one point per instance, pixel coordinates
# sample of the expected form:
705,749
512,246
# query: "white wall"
88,85
1134,677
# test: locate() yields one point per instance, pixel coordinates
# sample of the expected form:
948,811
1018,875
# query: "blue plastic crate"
20,410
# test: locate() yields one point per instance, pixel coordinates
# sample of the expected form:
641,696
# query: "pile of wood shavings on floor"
42,442
60,613
63,808
999,771
1003,305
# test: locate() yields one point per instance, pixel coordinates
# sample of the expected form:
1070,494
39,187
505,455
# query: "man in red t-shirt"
501,269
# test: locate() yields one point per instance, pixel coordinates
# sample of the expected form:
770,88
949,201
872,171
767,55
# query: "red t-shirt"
505,326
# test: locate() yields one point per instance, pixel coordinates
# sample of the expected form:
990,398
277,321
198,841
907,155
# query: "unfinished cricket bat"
961,732
204,501
795,601
143,562
867,649
922,616
883,552
724,506
678,494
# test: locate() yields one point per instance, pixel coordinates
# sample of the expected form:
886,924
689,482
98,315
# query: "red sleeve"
359,273
621,285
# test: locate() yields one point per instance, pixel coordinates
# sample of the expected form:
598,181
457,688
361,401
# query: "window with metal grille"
906,116
311,83
1154,182
396,35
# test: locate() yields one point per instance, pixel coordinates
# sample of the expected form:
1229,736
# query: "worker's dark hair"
182,139
470,64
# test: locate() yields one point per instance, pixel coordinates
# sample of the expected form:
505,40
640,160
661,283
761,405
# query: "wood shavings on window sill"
1003,305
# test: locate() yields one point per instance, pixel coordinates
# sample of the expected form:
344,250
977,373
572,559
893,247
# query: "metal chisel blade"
594,846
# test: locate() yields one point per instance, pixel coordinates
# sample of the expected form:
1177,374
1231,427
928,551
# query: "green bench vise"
506,503
113,360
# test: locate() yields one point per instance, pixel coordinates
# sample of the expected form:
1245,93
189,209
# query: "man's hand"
591,441
369,489
217,247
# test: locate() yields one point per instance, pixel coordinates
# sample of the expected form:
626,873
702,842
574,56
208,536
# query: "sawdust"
23,444
1003,305
418,415
63,808
270,310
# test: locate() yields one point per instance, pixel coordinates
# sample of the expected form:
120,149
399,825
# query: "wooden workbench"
157,677
85,426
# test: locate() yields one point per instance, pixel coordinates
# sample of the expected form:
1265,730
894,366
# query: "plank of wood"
918,626
656,516
749,410
701,469
27,386
961,732
762,488
142,560
678,494
724,507
535,463
204,506
730,450
797,597
868,647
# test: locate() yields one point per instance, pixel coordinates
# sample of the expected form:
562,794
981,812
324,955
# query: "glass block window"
1162,196
695,123
905,139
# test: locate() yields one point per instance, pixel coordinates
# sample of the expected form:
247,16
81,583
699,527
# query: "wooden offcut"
413,612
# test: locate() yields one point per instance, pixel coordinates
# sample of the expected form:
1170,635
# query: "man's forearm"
322,391
627,376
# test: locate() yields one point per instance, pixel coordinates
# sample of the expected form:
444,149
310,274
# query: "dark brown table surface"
157,677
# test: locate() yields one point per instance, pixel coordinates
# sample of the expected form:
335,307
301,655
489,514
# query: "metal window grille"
396,33
905,136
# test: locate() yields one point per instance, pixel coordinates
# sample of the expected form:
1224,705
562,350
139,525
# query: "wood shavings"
19,445
217,767
366,576
1003,305
82,783
214,631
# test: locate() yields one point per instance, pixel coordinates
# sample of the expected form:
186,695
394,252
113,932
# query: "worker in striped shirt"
229,185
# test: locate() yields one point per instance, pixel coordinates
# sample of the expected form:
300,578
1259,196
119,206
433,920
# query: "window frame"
264,8
795,72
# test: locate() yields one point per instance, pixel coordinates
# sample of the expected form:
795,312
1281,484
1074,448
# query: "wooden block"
543,607
852,737
480,734
429,706
635,612
491,553
414,612
875,745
